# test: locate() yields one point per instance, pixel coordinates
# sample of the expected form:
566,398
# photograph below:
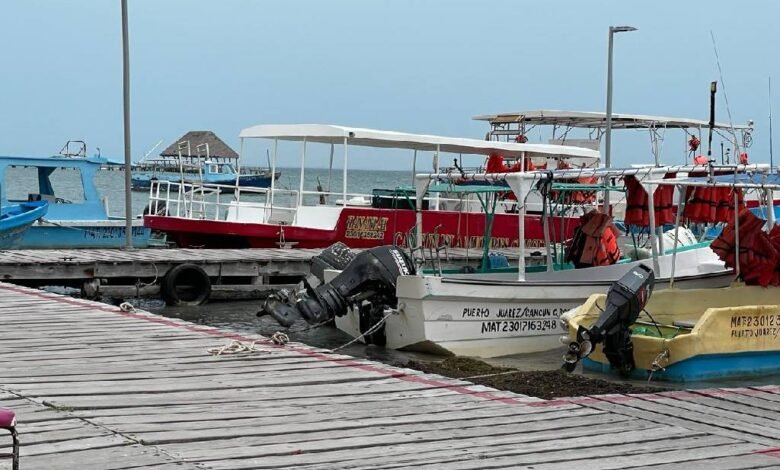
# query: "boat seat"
688,324
8,423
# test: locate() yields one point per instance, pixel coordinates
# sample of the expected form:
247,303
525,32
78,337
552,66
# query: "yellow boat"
695,334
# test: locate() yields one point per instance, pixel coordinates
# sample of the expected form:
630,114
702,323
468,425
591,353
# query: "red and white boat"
217,216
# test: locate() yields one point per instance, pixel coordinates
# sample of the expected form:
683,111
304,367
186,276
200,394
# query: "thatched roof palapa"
217,147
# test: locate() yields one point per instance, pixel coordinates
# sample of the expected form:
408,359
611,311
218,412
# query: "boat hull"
722,336
81,234
490,316
17,220
360,227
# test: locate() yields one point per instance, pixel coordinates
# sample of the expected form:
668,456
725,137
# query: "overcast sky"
424,66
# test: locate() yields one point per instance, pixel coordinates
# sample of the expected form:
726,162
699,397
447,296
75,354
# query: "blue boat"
198,157
194,173
15,219
76,216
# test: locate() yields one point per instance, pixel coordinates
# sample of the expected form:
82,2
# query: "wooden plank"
150,381
664,413
476,445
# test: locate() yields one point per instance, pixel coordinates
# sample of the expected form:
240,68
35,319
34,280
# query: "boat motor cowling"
370,277
625,301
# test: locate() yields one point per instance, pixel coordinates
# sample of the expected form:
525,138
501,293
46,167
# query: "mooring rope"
369,331
234,347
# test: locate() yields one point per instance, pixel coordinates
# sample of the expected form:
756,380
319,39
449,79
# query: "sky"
423,66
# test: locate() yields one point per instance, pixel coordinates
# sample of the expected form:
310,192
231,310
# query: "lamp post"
126,106
608,132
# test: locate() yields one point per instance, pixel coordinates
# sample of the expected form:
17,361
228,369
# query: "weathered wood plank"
104,381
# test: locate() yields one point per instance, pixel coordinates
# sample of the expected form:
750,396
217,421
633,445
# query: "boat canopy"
596,120
330,134
770,181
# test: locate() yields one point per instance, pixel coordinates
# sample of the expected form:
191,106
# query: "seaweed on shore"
547,384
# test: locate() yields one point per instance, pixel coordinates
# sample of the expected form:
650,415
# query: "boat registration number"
519,326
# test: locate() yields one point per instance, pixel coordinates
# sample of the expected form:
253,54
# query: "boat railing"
222,202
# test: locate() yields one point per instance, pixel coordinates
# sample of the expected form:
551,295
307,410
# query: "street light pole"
608,131
126,102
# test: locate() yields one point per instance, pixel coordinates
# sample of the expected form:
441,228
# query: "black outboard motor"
625,301
370,277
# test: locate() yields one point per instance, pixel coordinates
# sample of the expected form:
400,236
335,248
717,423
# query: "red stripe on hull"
360,227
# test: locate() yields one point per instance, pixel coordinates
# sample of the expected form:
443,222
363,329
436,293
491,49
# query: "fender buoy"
185,284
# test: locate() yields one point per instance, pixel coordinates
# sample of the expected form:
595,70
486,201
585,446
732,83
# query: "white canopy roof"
330,134
584,119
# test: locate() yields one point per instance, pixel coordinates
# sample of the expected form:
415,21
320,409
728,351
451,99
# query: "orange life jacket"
594,242
759,252
575,197
711,205
637,212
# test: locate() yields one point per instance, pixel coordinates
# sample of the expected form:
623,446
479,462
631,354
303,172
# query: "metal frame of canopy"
346,136
490,200
521,184
521,122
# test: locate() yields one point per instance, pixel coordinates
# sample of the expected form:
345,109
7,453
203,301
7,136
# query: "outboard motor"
370,277
625,301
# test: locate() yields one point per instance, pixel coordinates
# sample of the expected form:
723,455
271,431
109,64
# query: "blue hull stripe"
705,367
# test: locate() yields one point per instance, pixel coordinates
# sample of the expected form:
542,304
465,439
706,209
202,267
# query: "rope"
311,327
369,331
489,375
279,338
234,347
656,365
91,232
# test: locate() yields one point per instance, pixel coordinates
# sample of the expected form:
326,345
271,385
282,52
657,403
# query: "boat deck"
96,387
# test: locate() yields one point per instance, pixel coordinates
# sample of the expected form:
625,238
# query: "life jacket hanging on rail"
495,164
759,252
575,197
711,205
637,212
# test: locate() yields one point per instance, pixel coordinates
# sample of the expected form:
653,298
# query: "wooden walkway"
99,388
21,265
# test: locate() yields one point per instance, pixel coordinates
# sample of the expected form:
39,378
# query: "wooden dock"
96,387
235,273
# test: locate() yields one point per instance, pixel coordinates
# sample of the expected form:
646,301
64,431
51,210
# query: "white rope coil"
234,347
280,338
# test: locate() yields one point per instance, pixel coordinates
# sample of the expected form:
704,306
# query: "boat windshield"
53,184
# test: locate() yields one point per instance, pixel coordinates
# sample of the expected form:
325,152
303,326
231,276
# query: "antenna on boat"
713,90
771,157
725,96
